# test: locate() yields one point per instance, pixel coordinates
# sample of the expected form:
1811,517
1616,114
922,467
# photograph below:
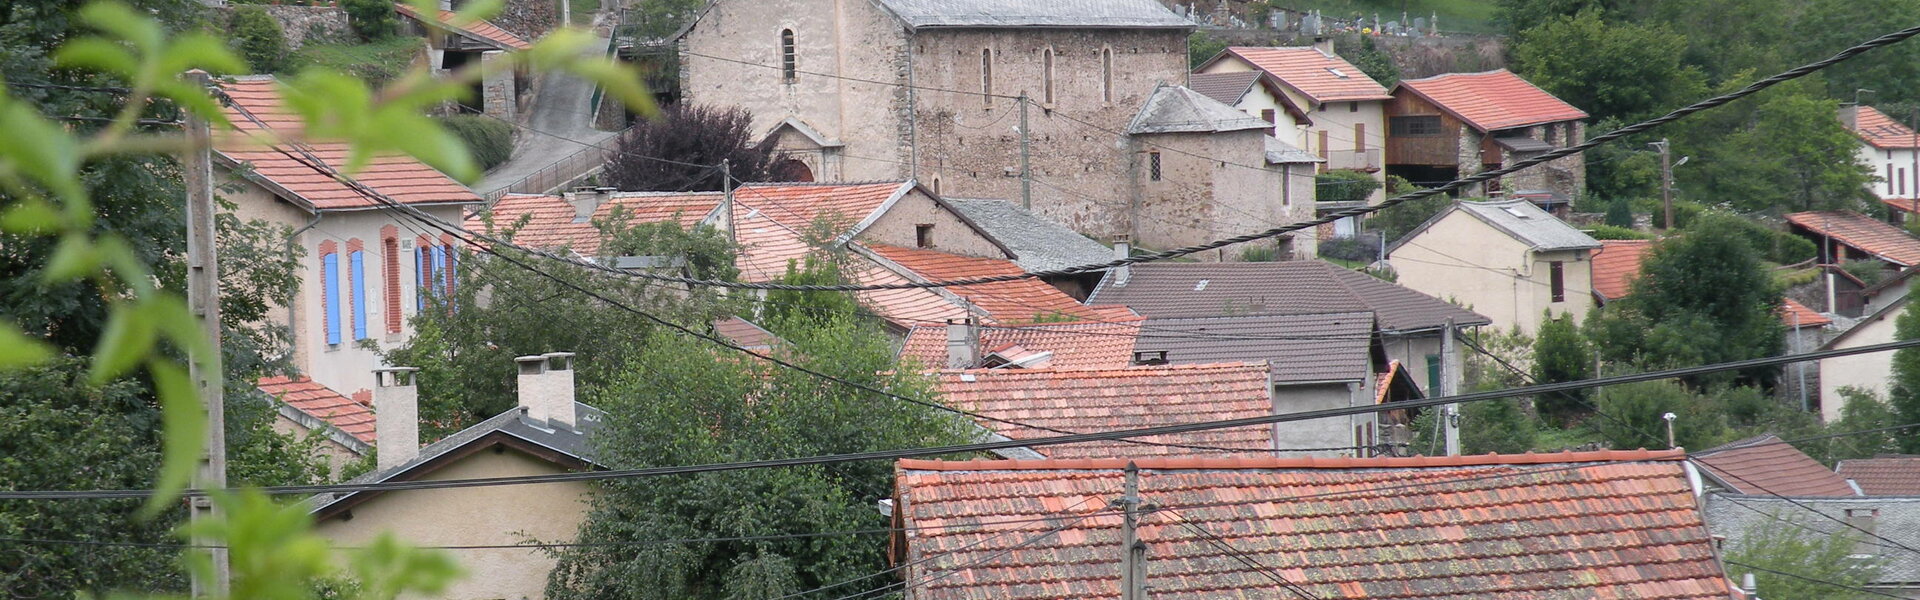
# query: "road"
560,123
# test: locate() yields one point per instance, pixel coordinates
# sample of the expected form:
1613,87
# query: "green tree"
1620,213
1561,354
1344,185
682,402
1779,151
1630,416
1863,410
1823,27
1497,426
1611,70
1702,297
1201,47
1903,389
372,20
1376,63
1788,543
258,38
1399,220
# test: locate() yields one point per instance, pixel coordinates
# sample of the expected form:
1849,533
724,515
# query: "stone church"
853,90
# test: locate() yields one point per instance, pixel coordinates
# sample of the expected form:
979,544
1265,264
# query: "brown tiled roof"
1331,347
1547,526
399,177
1880,130
1795,314
1862,232
482,31
745,333
1008,302
307,396
1227,88
1318,76
1616,264
551,223
1492,100
1885,476
1763,465
1100,344
1175,290
1085,401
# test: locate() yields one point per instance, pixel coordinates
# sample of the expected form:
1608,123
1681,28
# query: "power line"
1811,580
1243,557
1528,378
1703,462
927,559
950,571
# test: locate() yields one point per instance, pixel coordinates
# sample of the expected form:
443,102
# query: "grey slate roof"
1176,109
1737,516
1321,348
1227,88
1084,14
1518,218
1178,290
1280,153
513,422
1040,244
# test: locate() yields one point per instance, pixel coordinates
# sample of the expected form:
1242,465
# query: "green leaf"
186,430
97,54
74,258
126,341
30,217
123,22
19,350
44,152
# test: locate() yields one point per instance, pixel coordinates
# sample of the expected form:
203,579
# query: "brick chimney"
396,416
546,388
963,346
1850,115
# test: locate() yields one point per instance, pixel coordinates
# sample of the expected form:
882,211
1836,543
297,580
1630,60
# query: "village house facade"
1345,109
1892,150
1448,126
1507,260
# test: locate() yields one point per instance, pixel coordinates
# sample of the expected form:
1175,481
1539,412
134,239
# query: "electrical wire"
1528,378
1705,463
1812,580
1242,556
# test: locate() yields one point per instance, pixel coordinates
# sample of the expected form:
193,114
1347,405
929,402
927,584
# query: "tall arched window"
1106,75
357,286
390,250
330,290
1046,68
986,76
789,63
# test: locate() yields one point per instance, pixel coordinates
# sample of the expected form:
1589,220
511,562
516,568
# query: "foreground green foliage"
1904,383
1701,298
1785,543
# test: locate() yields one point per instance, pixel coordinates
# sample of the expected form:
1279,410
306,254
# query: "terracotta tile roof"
1226,88
798,205
1880,130
1762,465
1322,348
1909,205
1884,476
1175,290
1318,76
400,177
1548,526
323,403
745,333
481,31
551,223
1084,401
1007,302
1616,264
767,246
1492,100
1862,232
1102,344
1795,314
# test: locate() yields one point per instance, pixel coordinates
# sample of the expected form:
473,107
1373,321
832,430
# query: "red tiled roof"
400,177
1763,465
1018,301
1492,100
551,224
1313,74
1085,401
1910,205
1616,264
323,403
1795,314
798,205
745,333
1880,130
1553,526
767,246
1886,476
1100,344
1862,232
479,30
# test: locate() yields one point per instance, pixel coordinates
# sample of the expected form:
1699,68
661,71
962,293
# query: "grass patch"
1553,439
1471,16
583,10
376,62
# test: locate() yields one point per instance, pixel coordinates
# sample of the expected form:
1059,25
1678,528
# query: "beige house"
1507,260
1346,122
1867,372
545,434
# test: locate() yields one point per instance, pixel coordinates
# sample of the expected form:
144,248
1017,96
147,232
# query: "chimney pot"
396,415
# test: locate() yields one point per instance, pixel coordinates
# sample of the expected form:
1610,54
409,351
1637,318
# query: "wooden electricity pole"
1449,387
203,296
1133,563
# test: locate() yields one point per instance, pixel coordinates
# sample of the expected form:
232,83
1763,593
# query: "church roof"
1177,109
1079,14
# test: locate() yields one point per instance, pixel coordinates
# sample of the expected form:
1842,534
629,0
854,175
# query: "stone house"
1448,126
1506,259
930,90
1185,145
1893,151
1346,124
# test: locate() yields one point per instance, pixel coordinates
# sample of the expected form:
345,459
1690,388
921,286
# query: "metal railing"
561,172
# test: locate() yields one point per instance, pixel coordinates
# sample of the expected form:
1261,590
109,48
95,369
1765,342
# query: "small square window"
923,235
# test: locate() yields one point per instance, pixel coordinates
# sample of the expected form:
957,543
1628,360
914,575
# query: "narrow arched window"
986,76
1046,68
1106,75
789,63
357,286
330,290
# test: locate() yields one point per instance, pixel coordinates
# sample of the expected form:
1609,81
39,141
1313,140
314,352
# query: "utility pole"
726,195
1449,386
1133,564
1026,169
1914,151
203,295
1666,181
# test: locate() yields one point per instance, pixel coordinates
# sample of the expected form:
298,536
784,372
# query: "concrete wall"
478,516
1462,258
1567,176
846,38
336,454
1330,432
1864,371
1412,352
899,227
970,144
1258,100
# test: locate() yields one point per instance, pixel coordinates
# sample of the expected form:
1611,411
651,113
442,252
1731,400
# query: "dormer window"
789,61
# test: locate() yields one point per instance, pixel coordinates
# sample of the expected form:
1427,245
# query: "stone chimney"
587,200
1324,45
546,389
1122,248
1850,115
963,347
396,416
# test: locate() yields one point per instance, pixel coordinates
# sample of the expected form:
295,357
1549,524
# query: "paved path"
559,125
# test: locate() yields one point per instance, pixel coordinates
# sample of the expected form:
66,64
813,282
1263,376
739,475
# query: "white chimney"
586,200
1122,248
546,388
1324,45
396,416
963,348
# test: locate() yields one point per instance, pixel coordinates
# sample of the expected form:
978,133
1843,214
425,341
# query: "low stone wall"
302,24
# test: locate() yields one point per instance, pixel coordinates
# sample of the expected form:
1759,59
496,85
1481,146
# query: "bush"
1361,248
1773,245
1344,186
1867,271
1609,232
489,140
376,63
373,20
1620,213
258,38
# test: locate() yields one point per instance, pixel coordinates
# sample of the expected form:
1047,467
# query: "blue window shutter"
421,275
330,295
359,291
439,270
